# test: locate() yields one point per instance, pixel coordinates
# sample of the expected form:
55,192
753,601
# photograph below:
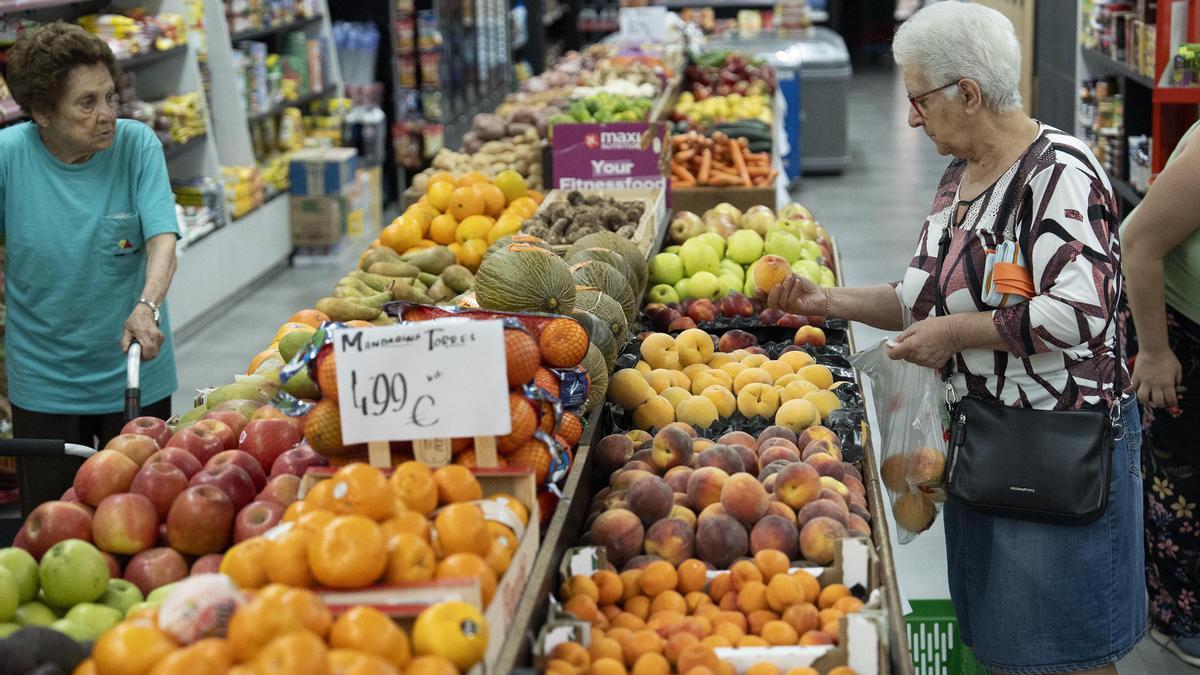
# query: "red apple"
297,460
770,316
734,340
652,309
105,473
157,567
114,566
202,443
243,460
810,335
69,496
229,439
149,426
179,458
736,304
267,439
682,323
52,522
207,564
281,489
200,521
270,412
125,524
232,419
702,310
161,483
665,318
230,479
134,446
791,321
256,518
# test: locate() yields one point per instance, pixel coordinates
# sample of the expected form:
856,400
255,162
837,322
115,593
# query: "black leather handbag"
1038,465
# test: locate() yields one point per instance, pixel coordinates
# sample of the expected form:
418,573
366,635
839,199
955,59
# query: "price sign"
643,24
433,379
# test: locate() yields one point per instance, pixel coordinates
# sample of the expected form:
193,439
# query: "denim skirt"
1036,598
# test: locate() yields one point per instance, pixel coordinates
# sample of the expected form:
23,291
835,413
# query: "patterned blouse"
1061,211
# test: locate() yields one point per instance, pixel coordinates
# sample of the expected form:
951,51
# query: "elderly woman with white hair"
1012,294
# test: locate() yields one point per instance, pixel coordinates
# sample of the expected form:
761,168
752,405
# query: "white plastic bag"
910,408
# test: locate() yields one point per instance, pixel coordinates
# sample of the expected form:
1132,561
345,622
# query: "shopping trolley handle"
36,447
133,384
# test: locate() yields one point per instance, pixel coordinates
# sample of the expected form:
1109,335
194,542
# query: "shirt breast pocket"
121,242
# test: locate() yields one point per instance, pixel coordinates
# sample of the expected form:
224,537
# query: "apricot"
630,585
581,585
731,632
605,647
729,602
677,643
831,594
752,641
802,617
720,540
607,666
573,654
658,577
743,572
803,670
629,621
720,585
771,562
734,617
818,538
638,606
744,498
668,601
848,605
815,638
696,656
780,633
760,618
695,600
583,607
752,597
620,532
651,664
642,642
812,587
783,592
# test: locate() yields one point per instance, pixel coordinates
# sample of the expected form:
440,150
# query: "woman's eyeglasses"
917,101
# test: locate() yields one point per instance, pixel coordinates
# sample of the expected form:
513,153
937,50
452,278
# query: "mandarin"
410,558
349,552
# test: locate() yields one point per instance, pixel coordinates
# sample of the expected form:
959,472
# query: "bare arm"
160,268
875,306
1165,218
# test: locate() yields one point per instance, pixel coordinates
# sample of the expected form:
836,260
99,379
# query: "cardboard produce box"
700,199
321,171
324,220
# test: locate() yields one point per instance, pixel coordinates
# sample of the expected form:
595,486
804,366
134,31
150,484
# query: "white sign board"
432,379
643,24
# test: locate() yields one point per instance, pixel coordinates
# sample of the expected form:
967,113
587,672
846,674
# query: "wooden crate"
653,217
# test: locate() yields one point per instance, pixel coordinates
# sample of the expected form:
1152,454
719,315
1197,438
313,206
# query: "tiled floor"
875,209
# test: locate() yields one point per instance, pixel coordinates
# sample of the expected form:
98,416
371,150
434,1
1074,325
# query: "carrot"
684,173
759,170
705,165
685,155
738,161
682,184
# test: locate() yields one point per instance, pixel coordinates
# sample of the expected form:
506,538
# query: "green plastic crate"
934,642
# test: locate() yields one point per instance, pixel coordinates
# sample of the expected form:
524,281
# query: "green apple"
71,572
810,250
745,246
666,268
827,279
729,267
99,618
715,241
698,256
24,569
784,245
808,228
138,606
160,594
682,289
121,595
750,290
729,284
704,285
807,269
674,248
10,594
663,293
7,629
35,614
75,630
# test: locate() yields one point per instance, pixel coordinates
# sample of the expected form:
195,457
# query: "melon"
605,255
597,371
606,278
598,333
594,301
518,238
525,278
628,250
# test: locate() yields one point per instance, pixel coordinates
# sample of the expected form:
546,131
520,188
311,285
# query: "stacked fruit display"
671,617
674,496
717,254
602,107
727,73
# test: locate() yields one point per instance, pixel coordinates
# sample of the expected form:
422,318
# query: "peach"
614,500
770,271
700,445
690,372
771,471
623,479
817,433
853,484
660,351
835,485
639,562
720,540
894,472
710,511
754,358
612,452
675,395
857,525
857,500
672,447
751,376
834,497
643,455
778,442
734,340
825,401
822,446
685,428
769,484
744,498
758,400
705,485
620,532
777,453
797,359
710,378
697,411
677,477
798,484
670,539
775,431
680,512
778,508
777,370
822,508
861,512
733,369
826,465
809,335
925,465
693,346
797,390
628,389
723,457
650,498
655,413
818,538
718,359
797,414
817,374
737,438
643,367
722,399
660,379
851,470
775,533
749,457
638,465
914,512
639,437
681,499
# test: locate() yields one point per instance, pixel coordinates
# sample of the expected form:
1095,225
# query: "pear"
431,260
341,309
394,269
233,392
301,386
190,417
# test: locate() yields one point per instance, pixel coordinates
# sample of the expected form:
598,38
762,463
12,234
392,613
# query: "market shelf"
7,6
258,33
1108,65
266,201
298,103
147,58
680,4
176,149
1126,191
1187,95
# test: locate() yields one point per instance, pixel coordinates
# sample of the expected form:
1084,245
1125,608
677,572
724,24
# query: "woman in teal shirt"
89,221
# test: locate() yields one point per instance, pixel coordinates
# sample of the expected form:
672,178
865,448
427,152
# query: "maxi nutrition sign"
628,155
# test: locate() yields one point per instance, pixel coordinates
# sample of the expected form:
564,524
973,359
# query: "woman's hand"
140,326
928,343
797,295
1156,374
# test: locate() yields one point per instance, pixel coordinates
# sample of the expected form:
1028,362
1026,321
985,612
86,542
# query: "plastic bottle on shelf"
520,24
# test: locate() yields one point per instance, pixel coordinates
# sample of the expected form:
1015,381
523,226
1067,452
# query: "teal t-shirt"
76,238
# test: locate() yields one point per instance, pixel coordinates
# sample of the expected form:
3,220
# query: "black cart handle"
36,447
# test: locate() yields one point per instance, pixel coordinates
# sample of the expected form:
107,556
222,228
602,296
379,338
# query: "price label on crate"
432,379
643,24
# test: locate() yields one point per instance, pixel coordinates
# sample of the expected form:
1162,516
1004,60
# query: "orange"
525,206
473,227
400,235
410,558
536,196
406,522
314,521
363,490
311,317
297,653
368,630
348,553
286,558
321,495
327,376
503,548
439,195
471,178
533,455
522,357
570,428
420,245
469,566
303,606
131,648
211,655
456,484
493,199
513,505
563,343
419,216
547,380
460,528
455,630
293,327
145,614
431,664
505,225
413,483
464,203
323,428
511,184
442,228
351,662
473,251
259,358
87,667
244,563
